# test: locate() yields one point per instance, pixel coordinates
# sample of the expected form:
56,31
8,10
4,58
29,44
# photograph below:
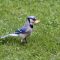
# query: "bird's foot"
23,42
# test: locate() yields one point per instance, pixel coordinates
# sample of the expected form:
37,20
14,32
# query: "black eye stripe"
34,19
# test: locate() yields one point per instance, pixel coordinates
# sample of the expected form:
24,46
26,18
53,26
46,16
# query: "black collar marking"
31,26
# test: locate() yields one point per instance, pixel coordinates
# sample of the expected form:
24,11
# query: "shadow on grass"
10,41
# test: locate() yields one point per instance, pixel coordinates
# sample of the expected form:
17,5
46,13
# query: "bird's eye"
34,19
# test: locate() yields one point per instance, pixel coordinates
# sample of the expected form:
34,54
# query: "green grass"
44,44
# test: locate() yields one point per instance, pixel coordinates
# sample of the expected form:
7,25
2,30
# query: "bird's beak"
37,21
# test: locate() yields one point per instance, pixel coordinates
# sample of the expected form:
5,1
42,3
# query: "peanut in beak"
37,21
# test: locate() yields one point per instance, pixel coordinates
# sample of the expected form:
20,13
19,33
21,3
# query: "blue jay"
26,30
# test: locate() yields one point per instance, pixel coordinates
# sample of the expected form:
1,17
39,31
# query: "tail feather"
8,35
3,36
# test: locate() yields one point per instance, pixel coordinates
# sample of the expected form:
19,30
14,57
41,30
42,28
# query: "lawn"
44,43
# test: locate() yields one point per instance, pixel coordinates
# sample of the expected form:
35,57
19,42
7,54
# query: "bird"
25,30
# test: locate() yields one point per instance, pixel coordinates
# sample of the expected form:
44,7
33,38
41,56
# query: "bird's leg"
23,41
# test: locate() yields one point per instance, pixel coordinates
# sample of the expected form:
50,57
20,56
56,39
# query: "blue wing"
22,30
